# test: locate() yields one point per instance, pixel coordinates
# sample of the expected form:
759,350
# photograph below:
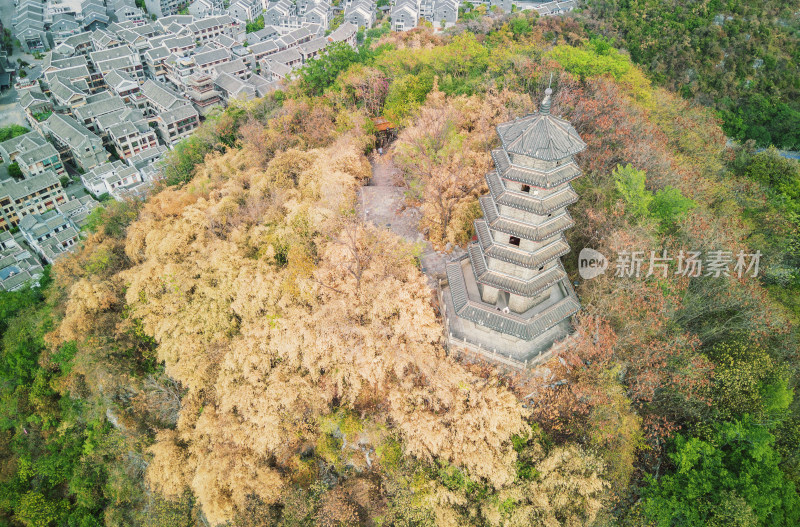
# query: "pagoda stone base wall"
489,294
551,308
496,346
520,304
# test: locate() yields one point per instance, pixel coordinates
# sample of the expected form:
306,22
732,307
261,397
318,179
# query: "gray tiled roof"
343,32
128,127
267,32
32,97
166,21
156,54
63,63
179,42
278,68
527,288
106,121
112,53
300,33
313,45
530,176
64,90
76,206
102,107
528,201
78,72
226,41
233,86
540,136
548,229
147,156
178,114
407,6
516,256
80,38
263,47
103,38
26,187
161,96
41,152
23,143
507,323
287,56
116,79
126,61
262,85
16,280
70,131
232,66
37,225
212,56
208,22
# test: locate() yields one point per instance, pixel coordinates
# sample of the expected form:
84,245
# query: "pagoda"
509,295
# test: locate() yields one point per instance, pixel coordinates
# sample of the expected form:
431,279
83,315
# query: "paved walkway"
383,203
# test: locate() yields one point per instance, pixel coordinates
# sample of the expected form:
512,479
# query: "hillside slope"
240,348
739,57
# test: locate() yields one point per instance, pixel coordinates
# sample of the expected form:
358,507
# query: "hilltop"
241,348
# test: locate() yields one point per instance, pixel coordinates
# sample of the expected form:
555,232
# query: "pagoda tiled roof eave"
527,288
507,323
554,140
530,260
537,233
545,179
526,201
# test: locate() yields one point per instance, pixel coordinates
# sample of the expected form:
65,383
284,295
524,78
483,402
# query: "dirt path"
382,202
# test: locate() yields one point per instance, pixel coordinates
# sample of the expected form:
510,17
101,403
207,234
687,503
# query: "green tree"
598,57
629,182
780,174
322,71
113,217
255,25
747,380
520,26
35,510
669,206
12,131
735,472
14,170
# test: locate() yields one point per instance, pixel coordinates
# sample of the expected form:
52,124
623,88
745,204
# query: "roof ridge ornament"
545,106
544,109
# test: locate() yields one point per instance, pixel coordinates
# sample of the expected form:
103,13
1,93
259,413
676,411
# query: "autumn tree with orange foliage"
272,306
444,156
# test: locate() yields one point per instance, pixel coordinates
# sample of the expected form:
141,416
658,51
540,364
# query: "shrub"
14,170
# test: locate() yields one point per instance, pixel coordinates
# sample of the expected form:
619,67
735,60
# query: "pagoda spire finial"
545,106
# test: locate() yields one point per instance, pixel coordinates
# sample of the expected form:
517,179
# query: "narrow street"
10,112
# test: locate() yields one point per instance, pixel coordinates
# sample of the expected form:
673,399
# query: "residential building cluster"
41,25
121,84
115,91
18,265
